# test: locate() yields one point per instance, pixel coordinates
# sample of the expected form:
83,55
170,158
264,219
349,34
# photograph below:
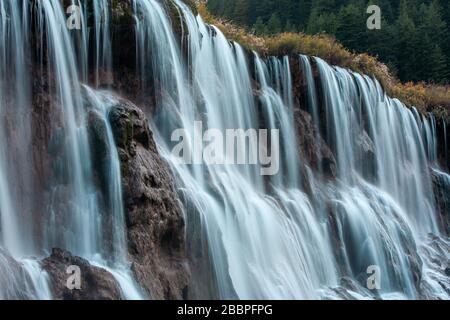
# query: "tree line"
414,40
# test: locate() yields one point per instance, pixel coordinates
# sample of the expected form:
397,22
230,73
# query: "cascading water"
387,206
74,197
22,278
81,208
102,102
103,58
382,208
258,248
84,214
15,126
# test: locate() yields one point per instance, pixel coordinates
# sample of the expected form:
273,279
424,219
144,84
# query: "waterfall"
400,155
103,54
74,213
258,246
381,202
102,102
22,278
278,110
312,103
15,128
81,203
84,213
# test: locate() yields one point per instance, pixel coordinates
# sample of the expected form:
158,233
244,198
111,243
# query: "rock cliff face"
154,217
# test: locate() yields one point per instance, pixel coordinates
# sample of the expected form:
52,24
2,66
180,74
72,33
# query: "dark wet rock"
99,149
154,217
96,283
443,142
441,186
365,157
312,147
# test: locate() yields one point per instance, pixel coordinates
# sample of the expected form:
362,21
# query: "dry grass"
425,97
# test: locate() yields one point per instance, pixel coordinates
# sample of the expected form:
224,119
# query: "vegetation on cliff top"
425,97
413,34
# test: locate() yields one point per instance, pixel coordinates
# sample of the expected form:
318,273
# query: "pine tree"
324,22
411,29
290,27
304,11
352,27
406,44
430,31
437,66
274,24
241,9
259,27
432,23
325,6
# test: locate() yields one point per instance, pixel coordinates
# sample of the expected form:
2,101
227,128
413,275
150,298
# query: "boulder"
96,283
154,218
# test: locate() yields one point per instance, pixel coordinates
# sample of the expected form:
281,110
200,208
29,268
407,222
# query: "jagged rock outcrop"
313,148
96,283
154,218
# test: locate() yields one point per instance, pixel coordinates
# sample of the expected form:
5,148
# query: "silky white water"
103,54
263,236
86,236
117,265
73,195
